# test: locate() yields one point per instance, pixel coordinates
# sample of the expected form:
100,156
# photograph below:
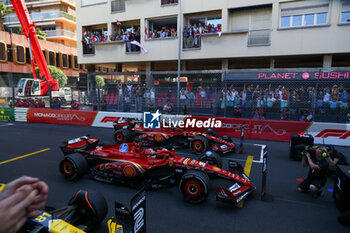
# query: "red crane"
28,29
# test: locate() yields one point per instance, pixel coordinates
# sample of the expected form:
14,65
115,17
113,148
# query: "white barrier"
330,133
106,119
21,114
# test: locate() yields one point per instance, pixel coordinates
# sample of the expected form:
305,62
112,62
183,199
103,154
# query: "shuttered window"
52,58
118,5
64,61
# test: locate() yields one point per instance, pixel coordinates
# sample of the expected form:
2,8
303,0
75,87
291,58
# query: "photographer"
318,167
335,158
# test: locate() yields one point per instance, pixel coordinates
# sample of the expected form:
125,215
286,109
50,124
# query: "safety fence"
296,96
336,134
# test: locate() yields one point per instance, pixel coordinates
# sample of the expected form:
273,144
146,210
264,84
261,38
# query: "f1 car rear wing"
130,221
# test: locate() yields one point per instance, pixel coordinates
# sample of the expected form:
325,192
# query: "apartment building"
56,18
235,36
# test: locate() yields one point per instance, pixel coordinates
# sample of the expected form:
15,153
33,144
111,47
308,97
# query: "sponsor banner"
288,76
106,119
7,114
330,133
66,117
257,129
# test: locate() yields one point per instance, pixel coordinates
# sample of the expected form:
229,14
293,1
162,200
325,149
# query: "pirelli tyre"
199,144
73,166
122,136
212,132
91,205
194,186
212,158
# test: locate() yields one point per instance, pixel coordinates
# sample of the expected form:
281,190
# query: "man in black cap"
335,158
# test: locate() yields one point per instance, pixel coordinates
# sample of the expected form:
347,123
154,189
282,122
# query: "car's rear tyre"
91,205
122,135
194,186
212,158
73,166
212,132
199,144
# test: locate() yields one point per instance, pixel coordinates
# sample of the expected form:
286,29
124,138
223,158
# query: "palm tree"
3,11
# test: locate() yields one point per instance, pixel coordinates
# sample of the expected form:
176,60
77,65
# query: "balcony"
60,33
40,16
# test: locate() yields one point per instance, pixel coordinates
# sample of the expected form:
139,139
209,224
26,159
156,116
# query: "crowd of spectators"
90,38
163,32
192,33
236,100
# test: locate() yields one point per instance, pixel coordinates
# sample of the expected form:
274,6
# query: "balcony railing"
39,16
60,32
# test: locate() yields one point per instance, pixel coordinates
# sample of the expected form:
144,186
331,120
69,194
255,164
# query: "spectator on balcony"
218,28
173,31
205,29
186,36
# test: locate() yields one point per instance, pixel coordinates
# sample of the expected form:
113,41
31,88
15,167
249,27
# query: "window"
304,20
321,18
296,20
64,61
9,53
28,56
76,65
70,60
168,2
20,54
345,17
52,59
118,5
3,49
58,64
309,19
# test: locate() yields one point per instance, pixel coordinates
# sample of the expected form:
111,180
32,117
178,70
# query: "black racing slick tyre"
194,186
211,158
122,136
199,144
212,132
92,207
74,166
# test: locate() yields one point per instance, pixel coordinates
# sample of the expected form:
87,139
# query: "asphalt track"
284,210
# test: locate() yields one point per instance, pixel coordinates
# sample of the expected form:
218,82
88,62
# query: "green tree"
40,34
56,74
3,11
100,81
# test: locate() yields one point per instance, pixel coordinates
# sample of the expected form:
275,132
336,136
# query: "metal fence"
206,94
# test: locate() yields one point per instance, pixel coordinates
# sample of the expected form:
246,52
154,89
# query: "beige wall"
315,40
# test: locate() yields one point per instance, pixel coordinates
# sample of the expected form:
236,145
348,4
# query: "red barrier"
257,129
66,117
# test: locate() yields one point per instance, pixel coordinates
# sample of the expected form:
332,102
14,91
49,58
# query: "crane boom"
28,29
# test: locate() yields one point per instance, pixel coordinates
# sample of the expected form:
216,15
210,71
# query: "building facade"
56,18
261,34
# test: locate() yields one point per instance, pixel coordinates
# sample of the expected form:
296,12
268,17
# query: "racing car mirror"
130,221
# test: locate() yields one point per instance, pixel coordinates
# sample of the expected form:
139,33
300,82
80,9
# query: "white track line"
8,124
261,153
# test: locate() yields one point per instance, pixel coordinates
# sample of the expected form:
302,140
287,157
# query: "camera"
302,149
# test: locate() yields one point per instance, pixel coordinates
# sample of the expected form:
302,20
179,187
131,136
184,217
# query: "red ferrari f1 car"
130,164
132,130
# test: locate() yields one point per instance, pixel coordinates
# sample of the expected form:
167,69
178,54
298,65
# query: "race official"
21,200
317,175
